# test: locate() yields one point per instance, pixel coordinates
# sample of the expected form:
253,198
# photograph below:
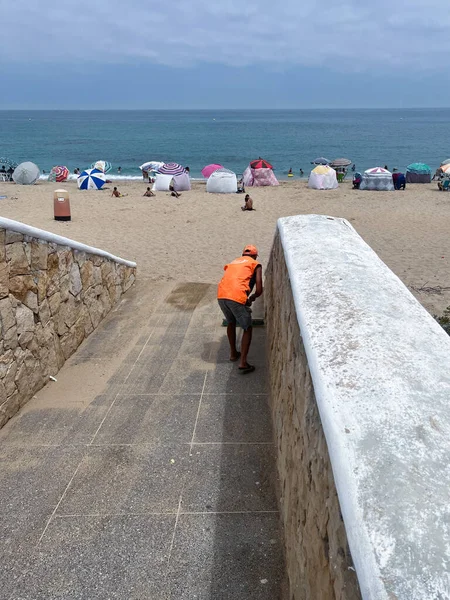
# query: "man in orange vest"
234,299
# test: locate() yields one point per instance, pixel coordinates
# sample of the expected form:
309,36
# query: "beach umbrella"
171,168
445,168
7,162
377,171
206,171
60,173
340,162
260,163
320,161
91,179
444,162
151,165
102,165
26,173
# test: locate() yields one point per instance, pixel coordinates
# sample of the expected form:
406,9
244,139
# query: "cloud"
349,37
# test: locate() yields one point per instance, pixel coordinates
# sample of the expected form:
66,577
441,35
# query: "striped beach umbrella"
260,163
206,171
60,173
171,168
91,179
377,171
102,165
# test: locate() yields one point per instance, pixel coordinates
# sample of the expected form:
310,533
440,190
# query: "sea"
288,139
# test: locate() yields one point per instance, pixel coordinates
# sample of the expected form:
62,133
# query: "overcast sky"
232,53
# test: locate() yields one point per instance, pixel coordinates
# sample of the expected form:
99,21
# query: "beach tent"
259,177
26,173
418,173
377,179
323,177
162,182
222,181
91,179
182,183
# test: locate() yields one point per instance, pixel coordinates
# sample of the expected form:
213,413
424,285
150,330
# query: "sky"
227,54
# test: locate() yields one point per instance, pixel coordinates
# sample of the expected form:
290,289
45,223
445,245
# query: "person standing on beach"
233,295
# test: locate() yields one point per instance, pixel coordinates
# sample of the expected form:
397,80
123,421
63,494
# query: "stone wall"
360,385
52,296
318,559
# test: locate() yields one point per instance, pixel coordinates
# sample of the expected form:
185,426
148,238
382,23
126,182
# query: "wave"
122,177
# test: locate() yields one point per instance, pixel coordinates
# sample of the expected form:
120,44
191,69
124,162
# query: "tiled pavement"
160,487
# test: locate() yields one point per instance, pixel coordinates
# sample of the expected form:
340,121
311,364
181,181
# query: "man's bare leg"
231,333
245,347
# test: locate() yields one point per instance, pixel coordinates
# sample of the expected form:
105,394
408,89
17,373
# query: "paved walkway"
147,470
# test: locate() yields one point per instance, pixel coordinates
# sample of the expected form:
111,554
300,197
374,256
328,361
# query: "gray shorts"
236,313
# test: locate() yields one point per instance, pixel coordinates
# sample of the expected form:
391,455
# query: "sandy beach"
191,238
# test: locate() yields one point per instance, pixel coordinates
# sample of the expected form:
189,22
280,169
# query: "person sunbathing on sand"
149,193
248,203
117,194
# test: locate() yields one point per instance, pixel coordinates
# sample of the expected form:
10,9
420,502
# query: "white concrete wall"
380,371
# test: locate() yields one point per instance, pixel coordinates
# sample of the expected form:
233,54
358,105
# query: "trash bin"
61,205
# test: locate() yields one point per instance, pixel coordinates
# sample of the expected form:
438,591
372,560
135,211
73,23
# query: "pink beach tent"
209,169
259,177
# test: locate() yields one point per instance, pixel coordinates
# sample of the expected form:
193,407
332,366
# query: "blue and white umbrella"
91,179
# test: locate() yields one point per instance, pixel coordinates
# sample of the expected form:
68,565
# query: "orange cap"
250,250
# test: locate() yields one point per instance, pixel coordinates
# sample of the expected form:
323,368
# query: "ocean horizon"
288,138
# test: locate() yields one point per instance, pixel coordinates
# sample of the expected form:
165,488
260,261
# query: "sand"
191,238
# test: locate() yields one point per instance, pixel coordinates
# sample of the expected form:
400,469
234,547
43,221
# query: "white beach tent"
162,183
222,181
323,177
182,183
378,179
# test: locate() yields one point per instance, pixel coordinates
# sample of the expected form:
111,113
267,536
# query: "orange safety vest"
235,284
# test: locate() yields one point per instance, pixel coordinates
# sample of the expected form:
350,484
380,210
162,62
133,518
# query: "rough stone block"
44,311
9,408
54,303
39,255
25,319
4,279
7,316
17,259
75,285
64,287
87,274
20,285
12,236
